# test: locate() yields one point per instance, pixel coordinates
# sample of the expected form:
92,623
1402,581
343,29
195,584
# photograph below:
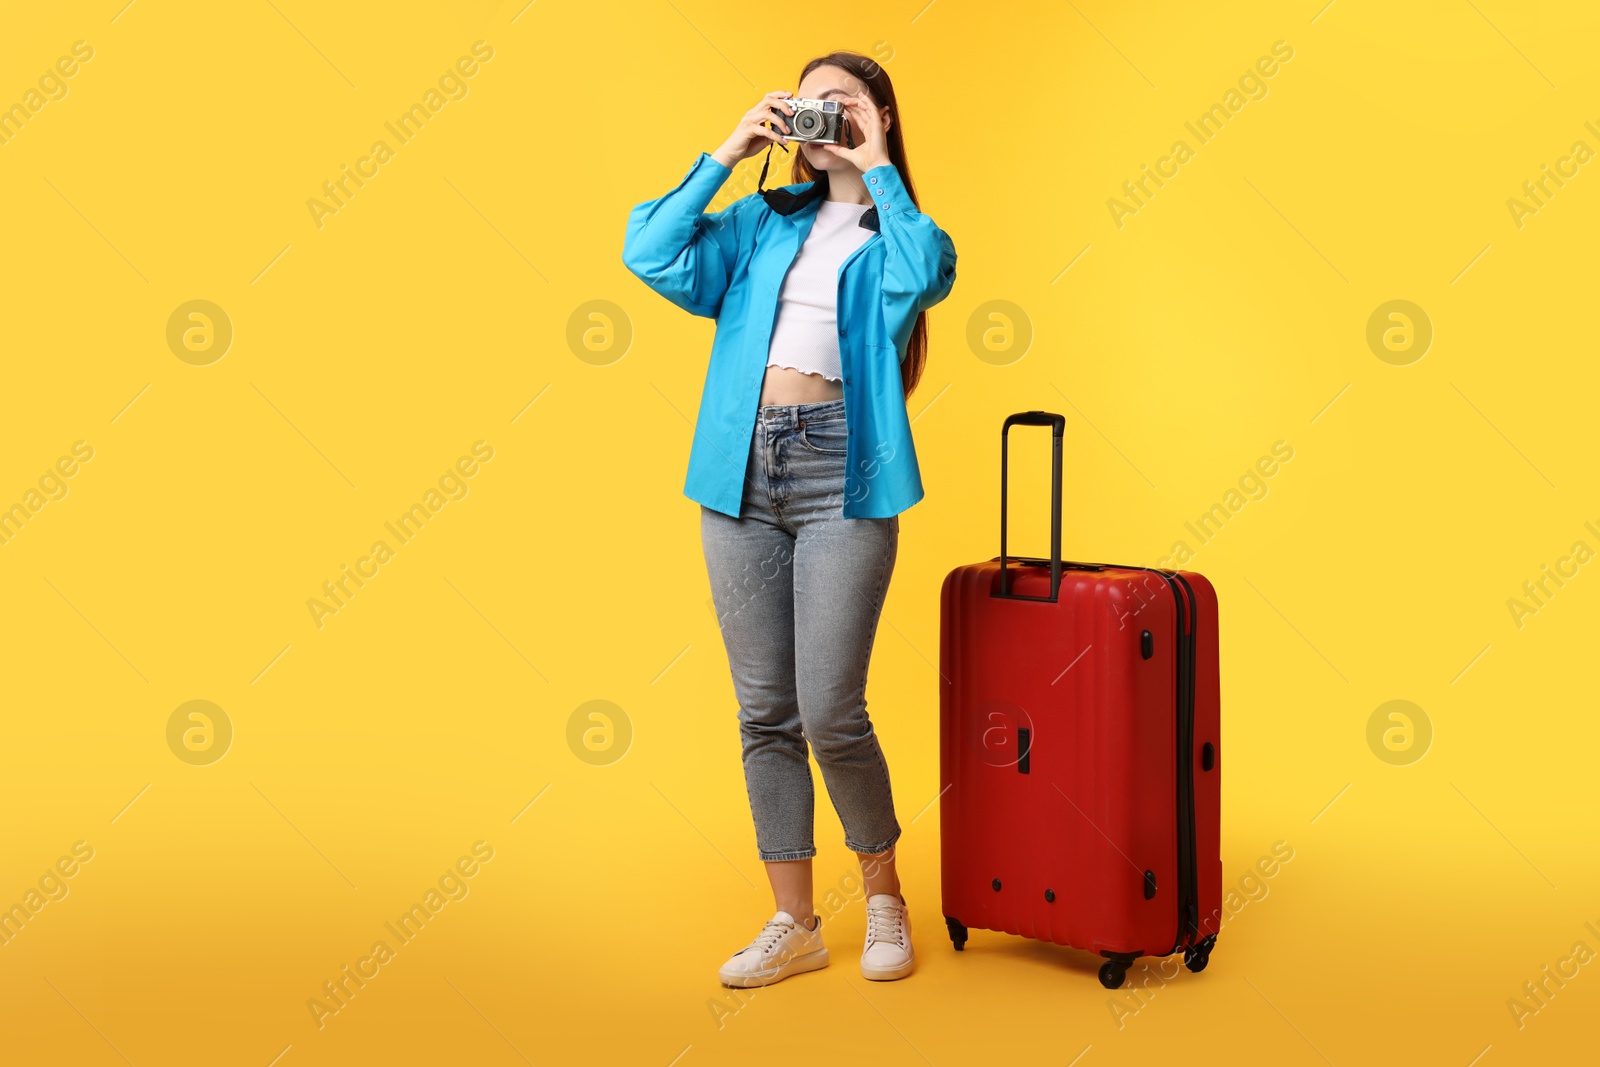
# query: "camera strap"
785,202
766,162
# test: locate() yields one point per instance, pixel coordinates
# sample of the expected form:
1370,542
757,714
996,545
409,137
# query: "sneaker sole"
811,961
888,974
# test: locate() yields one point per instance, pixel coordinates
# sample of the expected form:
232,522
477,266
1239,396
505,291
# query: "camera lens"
807,123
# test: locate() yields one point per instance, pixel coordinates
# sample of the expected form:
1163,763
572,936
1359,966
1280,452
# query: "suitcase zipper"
1188,874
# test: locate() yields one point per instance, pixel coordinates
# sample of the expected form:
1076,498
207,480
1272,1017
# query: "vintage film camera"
818,121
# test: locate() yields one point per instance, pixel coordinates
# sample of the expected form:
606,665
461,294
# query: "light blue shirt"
730,264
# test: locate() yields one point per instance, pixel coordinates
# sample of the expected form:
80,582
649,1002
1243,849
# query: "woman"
802,461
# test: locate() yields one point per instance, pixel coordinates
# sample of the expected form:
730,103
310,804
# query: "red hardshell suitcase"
1079,750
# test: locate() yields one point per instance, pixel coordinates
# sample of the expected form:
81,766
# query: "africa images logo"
338,992
1208,126
338,192
452,485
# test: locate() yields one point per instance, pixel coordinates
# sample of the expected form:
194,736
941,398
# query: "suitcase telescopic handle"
1058,425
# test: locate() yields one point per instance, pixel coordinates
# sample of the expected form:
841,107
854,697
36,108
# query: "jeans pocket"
826,436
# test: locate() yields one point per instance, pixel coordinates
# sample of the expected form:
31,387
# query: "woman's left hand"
873,147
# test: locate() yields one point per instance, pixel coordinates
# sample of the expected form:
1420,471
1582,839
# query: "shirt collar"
796,202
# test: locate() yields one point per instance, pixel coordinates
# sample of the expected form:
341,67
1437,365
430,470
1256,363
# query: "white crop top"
806,333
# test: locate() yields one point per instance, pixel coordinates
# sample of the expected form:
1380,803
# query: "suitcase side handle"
1058,425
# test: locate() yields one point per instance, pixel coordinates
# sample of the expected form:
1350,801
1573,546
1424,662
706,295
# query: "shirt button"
878,191
874,181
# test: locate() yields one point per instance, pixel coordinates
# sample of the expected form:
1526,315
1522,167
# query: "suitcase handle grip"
1058,425
1035,418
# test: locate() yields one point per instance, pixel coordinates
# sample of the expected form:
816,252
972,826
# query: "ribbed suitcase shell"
1060,853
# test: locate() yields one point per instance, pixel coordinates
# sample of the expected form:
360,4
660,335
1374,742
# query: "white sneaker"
782,948
887,954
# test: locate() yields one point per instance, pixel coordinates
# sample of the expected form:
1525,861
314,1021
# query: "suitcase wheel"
958,933
1196,956
1112,973
1115,968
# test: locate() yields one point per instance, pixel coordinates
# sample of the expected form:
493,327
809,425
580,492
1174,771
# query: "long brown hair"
881,90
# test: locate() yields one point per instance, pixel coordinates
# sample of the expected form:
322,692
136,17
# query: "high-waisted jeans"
798,591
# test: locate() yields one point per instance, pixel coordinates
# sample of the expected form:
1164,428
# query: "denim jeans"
798,590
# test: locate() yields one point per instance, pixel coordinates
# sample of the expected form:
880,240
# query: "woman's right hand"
750,136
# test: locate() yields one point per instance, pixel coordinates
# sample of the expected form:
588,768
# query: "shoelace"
770,935
886,925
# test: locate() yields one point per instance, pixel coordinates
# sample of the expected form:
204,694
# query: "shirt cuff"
707,159
887,190
706,177
699,186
